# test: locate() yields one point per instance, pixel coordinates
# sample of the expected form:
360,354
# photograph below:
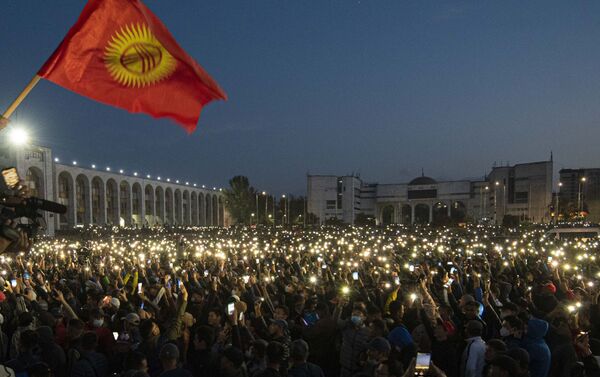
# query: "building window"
521,197
331,204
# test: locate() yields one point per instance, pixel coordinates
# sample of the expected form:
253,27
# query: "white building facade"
523,190
101,196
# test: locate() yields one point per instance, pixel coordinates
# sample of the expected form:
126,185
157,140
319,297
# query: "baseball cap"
169,351
132,318
280,322
115,302
380,344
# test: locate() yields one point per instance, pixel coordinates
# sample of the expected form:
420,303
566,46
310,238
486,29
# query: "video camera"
14,206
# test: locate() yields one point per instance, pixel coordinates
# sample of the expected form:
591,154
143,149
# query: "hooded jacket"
535,345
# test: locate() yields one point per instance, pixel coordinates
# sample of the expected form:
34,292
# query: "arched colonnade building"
103,197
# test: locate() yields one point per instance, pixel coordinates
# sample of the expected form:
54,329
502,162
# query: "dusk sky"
376,87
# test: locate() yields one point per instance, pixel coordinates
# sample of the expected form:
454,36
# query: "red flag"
121,54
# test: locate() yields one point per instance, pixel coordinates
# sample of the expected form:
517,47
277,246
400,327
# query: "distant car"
581,233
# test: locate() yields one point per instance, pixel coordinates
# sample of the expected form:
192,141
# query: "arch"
125,203
387,215
440,213
149,207
159,205
82,199
215,211
136,205
201,210
221,212
186,208
169,206
458,211
98,201
194,207
208,208
421,213
34,180
112,202
66,197
406,214
178,207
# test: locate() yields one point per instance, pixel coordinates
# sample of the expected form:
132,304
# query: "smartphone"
11,178
355,275
13,283
397,280
230,308
115,335
423,361
452,270
26,276
142,306
246,279
205,273
139,287
450,281
411,268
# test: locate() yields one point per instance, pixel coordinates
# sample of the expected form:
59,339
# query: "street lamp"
283,221
18,136
556,211
579,201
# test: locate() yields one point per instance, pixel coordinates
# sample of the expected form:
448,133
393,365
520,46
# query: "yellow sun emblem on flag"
135,58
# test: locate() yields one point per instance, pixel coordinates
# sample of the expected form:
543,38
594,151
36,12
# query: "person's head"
136,361
25,319
169,356
299,351
509,309
215,317
397,310
377,328
75,328
502,366
149,329
299,304
281,312
378,349
464,300
96,318
231,361
258,349
494,347
511,326
471,310
204,338
196,297
277,328
473,328
89,341
275,353
358,316
521,356
322,309
29,341
373,313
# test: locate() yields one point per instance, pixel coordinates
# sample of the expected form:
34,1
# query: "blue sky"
383,88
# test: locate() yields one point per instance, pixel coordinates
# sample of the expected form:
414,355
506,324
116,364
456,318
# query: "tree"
240,199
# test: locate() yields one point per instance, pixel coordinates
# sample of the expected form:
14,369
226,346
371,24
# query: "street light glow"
18,136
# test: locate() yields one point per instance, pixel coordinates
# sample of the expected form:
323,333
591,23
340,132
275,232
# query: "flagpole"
13,106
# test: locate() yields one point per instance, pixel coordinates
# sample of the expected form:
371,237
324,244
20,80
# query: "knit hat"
169,351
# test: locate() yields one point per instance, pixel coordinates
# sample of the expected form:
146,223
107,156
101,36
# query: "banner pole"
13,106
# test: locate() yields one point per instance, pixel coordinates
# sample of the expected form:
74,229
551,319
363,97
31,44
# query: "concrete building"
101,195
523,190
579,191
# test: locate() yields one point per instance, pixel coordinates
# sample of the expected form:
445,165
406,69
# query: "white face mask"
504,332
98,322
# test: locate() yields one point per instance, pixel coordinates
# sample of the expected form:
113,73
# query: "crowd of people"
332,301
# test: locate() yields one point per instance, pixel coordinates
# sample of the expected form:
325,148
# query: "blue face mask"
311,317
356,320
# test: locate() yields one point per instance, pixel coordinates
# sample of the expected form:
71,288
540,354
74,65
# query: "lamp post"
496,202
556,211
579,201
284,218
256,195
264,193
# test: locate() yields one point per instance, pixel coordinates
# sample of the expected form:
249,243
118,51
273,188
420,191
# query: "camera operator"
18,241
